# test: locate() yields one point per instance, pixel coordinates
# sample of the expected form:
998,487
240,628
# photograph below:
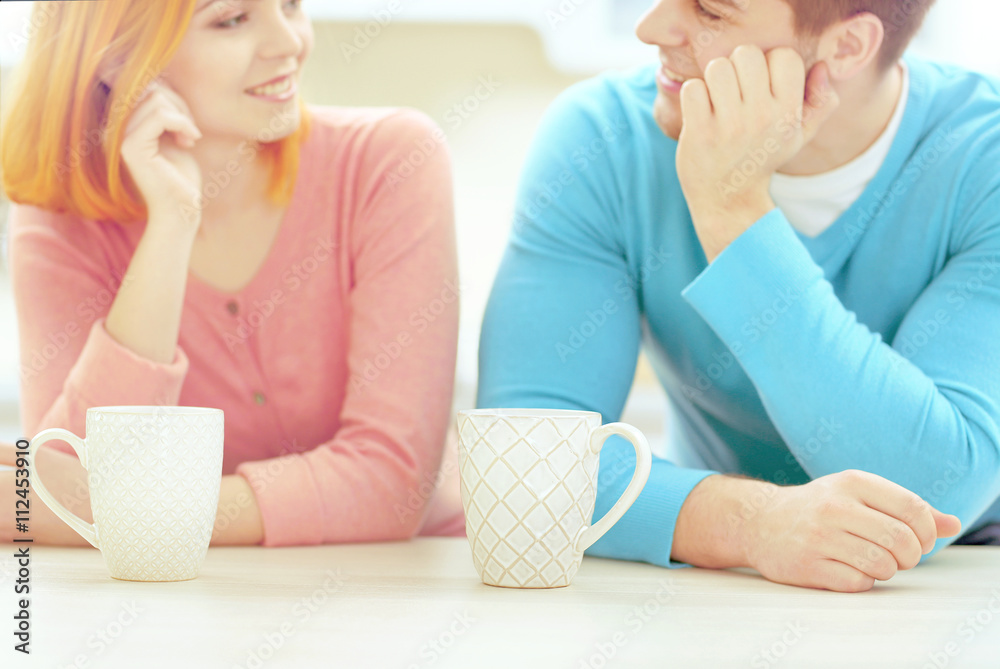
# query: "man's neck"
866,108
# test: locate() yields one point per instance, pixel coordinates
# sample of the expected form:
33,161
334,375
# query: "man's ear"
849,46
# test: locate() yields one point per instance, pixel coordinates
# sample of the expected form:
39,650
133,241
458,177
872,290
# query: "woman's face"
232,47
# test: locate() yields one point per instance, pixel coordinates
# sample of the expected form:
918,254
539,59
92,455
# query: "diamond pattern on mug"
526,481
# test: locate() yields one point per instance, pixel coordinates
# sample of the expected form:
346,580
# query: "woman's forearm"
145,316
238,521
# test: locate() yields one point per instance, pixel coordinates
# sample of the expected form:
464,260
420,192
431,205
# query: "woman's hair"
62,128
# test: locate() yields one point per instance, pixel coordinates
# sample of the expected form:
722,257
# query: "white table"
420,604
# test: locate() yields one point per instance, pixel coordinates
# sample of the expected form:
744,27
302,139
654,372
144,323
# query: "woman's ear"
849,46
107,73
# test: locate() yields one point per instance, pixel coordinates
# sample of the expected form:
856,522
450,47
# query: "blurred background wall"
430,56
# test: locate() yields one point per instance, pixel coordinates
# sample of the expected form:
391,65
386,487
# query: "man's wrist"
720,223
716,527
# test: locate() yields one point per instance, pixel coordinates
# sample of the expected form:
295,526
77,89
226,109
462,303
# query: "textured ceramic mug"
529,483
154,475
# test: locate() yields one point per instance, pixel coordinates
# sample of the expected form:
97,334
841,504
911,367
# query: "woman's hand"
155,151
65,478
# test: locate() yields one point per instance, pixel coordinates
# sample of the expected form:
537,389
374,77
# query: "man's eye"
704,12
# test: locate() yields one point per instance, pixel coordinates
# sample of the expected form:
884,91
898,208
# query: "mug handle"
643,463
82,527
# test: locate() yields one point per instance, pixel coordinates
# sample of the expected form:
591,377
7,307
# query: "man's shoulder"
616,101
963,101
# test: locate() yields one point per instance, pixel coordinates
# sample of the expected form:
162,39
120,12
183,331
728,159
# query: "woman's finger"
8,454
146,136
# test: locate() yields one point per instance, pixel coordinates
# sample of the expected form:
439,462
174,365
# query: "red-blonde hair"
62,128
900,18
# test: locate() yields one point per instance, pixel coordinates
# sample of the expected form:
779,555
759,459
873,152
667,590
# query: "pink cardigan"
334,366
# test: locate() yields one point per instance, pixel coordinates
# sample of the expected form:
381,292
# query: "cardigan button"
259,399
233,308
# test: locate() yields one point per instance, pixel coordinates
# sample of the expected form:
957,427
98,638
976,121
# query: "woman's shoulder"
387,128
33,228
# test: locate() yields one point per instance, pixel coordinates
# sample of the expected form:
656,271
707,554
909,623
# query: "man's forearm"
713,527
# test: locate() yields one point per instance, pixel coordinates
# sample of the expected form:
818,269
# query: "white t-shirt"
812,204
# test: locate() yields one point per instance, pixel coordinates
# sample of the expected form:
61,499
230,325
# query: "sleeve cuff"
109,374
290,507
646,532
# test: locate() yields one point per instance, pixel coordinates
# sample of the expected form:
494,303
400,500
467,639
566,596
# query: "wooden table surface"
420,604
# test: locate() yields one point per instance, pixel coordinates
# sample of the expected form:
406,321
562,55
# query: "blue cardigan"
874,346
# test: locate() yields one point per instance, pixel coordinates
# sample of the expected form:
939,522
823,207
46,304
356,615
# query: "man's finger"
830,574
888,532
723,89
947,524
894,500
752,72
695,106
788,76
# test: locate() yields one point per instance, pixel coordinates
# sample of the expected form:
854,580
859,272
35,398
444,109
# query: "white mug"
154,474
529,484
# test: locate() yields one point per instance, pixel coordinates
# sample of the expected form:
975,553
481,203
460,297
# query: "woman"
188,232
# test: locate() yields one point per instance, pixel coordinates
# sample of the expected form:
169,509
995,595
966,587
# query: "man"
803,229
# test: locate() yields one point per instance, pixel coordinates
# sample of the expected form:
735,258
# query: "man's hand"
751,114
843,532
65,478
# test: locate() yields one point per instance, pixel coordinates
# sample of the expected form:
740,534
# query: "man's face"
690,33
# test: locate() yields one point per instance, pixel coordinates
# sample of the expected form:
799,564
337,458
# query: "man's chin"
667,117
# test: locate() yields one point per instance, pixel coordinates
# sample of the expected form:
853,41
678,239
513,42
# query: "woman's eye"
704,12
237,20
228,23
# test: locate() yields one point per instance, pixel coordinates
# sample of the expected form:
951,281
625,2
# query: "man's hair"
901,18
